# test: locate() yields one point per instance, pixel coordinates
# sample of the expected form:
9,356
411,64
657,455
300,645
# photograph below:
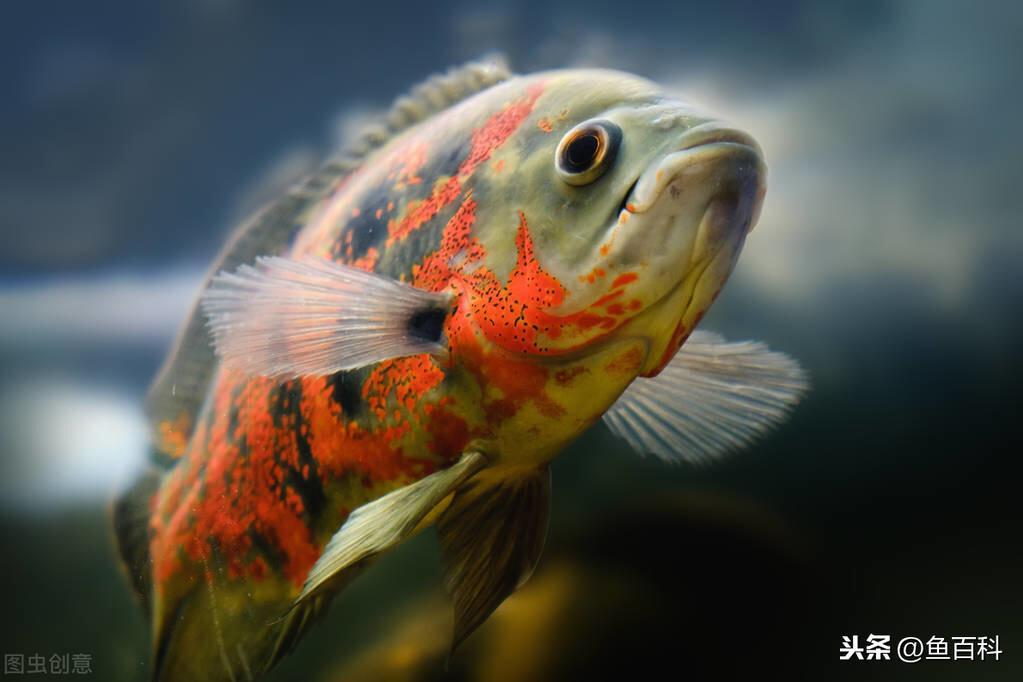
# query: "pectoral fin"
385,522
713,397
491,536
287,318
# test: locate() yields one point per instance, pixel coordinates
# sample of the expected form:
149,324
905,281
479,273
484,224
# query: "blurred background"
889,260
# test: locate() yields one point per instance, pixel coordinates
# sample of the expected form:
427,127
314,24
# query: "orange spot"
565,376
172,436
603,300
623,279
367,261
626,363
545,124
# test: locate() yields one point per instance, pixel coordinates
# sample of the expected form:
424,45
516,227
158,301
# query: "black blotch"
345,387
367,230
287,399
427,324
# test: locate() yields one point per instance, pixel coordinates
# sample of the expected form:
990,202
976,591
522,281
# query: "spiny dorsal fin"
180,387
432,96
491,537
713,397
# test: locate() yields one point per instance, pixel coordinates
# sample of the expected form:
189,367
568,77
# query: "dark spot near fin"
347,392
427,324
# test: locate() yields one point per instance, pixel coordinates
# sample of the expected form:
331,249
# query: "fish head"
620,212
607,225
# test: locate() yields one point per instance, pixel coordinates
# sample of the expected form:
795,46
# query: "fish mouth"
696,204
702,146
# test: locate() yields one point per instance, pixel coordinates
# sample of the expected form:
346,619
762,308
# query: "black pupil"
581,152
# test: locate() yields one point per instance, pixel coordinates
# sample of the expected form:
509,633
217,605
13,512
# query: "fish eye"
586,151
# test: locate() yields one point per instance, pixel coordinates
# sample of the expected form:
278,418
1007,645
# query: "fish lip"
699,144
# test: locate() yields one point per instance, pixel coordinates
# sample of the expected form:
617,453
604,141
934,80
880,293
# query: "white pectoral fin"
713,397
385,522
287,318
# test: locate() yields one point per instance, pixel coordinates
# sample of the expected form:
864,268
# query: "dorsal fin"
177,394
432,96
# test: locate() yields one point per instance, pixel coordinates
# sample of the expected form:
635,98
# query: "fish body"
553,238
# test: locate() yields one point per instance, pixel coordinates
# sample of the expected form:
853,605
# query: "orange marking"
603,300
514,316
485,140
677,338
367,261
435,271
545,124
172,436
421,212
240,493
565,377
626,363
623,279
403,380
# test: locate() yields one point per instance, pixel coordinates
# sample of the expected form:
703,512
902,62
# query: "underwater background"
888,260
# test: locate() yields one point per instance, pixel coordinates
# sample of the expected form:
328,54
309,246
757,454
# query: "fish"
407,338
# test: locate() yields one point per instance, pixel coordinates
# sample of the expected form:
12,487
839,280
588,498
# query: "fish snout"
713,164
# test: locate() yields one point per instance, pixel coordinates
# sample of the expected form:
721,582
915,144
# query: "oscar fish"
407,338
